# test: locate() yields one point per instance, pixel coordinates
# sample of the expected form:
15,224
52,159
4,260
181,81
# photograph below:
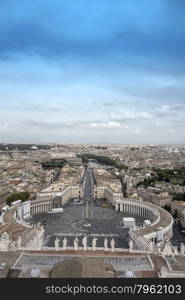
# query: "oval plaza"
75,218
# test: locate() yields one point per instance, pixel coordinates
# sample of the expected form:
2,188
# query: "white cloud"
137,130
169,109
144,115
164,109
109,125
130,115
171,130
157,124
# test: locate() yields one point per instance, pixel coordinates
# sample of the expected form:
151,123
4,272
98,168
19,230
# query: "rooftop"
82,268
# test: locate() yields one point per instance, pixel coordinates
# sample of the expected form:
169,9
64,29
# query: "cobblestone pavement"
103,222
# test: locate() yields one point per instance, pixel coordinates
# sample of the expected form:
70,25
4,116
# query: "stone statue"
40,241
4,242
182,249
131,245
84,242
19,241
94,244
42,230
175,250
151,246
167,249
105,244
112,242
159,248
76,243
64,243
13,246
57,244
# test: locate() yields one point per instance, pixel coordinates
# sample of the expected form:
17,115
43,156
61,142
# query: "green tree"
54,163
23,196
175,214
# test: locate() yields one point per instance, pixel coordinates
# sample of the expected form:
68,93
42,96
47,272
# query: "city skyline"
92,72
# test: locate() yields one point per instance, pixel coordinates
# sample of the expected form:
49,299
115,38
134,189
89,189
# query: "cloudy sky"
96,71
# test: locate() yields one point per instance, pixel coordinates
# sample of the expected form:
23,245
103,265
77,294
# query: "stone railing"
115,250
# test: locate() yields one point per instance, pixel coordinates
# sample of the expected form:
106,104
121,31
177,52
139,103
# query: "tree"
175,214
23,196
179,196
54,163
167,207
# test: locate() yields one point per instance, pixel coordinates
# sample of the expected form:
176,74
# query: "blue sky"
96,71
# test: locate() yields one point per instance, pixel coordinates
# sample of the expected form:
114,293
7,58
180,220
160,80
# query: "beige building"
54,199
108,186
161,199
179,208
107,193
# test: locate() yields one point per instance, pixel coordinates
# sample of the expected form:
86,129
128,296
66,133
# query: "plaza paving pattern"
104,222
